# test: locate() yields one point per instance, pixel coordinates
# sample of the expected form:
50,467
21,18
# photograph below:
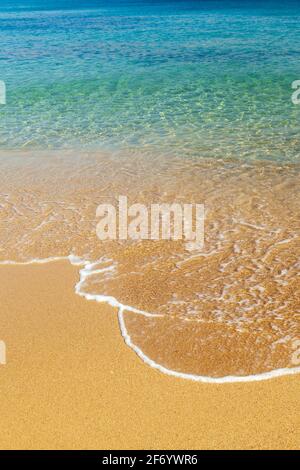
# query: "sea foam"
87,270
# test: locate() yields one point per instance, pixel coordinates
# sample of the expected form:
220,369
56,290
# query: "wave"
87,270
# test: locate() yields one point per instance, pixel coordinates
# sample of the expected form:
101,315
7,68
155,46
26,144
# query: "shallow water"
177,102
187,78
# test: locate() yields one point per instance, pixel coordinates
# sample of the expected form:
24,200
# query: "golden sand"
71,382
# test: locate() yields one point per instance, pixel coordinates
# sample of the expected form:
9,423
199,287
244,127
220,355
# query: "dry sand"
71,382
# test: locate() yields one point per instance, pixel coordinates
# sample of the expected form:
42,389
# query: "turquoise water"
208,78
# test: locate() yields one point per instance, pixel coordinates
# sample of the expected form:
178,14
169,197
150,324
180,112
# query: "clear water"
207,78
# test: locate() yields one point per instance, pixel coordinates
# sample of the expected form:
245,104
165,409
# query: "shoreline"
114,303
240,291
71,382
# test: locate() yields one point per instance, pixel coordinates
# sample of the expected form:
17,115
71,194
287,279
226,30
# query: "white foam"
87,270
35,261
74,260
112,301
198,378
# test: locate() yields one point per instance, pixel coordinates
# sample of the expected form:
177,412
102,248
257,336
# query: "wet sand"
71,382
231,309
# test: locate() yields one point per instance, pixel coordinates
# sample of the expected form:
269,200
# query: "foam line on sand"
87,270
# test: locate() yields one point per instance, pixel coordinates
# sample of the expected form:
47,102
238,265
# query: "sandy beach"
149,225
71,382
